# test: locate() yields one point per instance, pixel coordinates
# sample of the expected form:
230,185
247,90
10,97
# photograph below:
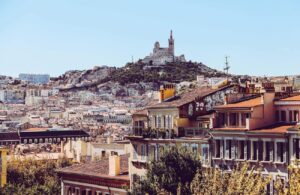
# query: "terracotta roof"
293,98
243,104
140,112
230,129
98,168
187,97
37,129
278,128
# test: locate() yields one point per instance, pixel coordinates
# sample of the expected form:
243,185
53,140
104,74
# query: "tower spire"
171,44
227,67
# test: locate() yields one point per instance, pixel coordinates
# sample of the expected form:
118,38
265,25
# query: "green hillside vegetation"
171,72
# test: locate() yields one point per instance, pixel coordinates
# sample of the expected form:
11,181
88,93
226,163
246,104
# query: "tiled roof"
243,104
98,168
293,98
230,129
37,129
278,128
141,112
186,97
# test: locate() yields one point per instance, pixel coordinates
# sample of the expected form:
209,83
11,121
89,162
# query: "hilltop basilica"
161,55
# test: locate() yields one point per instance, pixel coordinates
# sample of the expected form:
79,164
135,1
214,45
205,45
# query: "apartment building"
177,120
260,130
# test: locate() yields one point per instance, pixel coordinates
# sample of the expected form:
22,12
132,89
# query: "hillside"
171,72
136,73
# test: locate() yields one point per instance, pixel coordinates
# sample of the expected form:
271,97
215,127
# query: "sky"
261,37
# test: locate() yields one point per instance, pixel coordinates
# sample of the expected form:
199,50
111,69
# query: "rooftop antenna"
132,59
227,67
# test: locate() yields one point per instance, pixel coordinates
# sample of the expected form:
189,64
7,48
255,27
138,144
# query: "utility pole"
227,67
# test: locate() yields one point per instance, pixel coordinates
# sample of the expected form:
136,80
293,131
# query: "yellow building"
3,160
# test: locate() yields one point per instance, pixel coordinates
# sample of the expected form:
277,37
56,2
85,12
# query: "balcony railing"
154,133
195,131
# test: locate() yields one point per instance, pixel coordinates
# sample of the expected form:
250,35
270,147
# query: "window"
135,148
296,116
152,153
195,148
228,149
168,121
222,119
281,152
233,119
269,151
244,117
277,117
160,151
283,116
240,150
260,150
254,150
204,153
218,148
144,151
158,122
291,116
296,148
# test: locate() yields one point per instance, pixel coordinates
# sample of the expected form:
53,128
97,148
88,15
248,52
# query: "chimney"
114,165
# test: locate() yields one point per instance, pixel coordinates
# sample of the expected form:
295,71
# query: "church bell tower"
171,44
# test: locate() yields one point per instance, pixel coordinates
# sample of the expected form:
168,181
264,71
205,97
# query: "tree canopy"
33,176
172,173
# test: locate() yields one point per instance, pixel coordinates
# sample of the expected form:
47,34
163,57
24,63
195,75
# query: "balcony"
192,131
154,133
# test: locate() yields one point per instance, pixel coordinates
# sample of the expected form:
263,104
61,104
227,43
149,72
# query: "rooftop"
98,168
243,104
293,98
276,129
187,97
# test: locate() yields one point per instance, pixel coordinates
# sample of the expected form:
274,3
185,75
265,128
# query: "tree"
242,180
172,173
33,176
293,186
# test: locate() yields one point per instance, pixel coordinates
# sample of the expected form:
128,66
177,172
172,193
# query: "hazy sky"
262,37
